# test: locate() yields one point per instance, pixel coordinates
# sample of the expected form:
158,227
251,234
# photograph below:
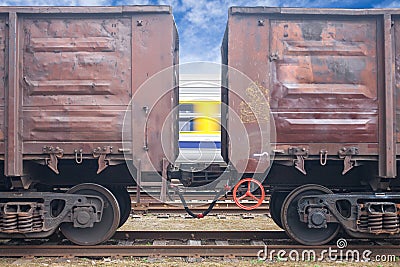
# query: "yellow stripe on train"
202,116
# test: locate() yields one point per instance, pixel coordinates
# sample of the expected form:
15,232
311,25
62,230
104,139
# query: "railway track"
197,244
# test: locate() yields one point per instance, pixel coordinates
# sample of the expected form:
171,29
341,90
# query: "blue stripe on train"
199,144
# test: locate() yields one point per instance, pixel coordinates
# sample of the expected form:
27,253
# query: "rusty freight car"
332,80
67,77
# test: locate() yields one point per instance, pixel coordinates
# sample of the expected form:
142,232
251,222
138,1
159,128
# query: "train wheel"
124,203
275,206
298,230
102,230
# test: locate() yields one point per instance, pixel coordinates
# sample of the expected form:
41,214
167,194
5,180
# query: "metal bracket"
301,154
346,153
299,164
78,156
101,153
21,182
298,151
323,157
55,153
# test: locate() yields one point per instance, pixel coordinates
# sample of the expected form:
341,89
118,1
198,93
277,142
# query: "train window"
201,116
186,108
186,117
186,125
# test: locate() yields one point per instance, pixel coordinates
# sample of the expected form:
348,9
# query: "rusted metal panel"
310,11
3,65
243,34
87,9
321,72
72,72
148,9
155,131
61,10
76,62
73,124
324,80
396,56
387,138
76,82
322,125
396,71
13,153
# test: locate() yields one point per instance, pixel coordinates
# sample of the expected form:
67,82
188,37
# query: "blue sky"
201,23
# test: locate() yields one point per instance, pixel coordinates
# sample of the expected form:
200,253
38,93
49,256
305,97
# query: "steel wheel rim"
102,230
298,230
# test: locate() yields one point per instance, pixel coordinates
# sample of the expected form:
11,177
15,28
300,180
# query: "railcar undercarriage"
87,214
313,215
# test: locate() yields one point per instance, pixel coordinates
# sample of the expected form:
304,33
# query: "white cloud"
93,2
202,26
388,4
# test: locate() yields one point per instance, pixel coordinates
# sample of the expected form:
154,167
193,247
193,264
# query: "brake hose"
204,213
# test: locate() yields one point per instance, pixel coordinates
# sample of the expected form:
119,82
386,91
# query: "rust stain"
256,107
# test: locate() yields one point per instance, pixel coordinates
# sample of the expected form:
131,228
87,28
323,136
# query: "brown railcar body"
330,75
67,78
331,80
69,75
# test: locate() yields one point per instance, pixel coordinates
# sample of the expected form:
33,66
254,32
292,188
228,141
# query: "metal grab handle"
264,154
80,159
323,160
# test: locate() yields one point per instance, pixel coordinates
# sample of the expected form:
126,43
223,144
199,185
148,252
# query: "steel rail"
177,250
200,235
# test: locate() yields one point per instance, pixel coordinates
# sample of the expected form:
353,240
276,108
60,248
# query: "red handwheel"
248,194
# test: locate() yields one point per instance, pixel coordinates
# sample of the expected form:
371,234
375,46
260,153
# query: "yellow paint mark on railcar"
256,107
